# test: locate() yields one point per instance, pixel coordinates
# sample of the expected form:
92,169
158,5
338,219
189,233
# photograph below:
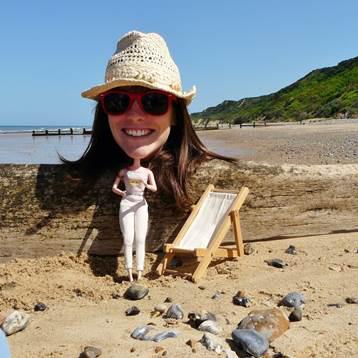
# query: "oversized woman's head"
141,113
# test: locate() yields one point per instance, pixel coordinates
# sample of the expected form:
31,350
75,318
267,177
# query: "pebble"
136,292
161,308
276,263
202,287
141,333
241,301
216,295
116,295
15,322
164,335
168,300
271,323
211,342
195,319
132,311
337,305
230,354
248,249
292,299
174,311
40,307
158,349
291,250
336,268
210,326
295,315
91,352
251,341
352,300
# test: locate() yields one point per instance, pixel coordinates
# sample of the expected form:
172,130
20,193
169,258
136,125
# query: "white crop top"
133,180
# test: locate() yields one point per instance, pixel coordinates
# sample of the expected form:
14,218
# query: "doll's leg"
126,220
141,227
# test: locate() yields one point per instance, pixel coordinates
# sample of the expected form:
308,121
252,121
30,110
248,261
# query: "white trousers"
133,220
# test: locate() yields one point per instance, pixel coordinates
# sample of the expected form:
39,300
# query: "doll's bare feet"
139,275
130,276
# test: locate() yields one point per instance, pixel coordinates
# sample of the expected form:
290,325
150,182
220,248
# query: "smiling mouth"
138,132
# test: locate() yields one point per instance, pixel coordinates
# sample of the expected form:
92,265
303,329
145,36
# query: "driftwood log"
43,212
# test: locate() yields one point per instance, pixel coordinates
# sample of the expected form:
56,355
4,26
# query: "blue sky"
53,50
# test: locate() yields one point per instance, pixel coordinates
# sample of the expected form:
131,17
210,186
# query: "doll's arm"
151,184
115,186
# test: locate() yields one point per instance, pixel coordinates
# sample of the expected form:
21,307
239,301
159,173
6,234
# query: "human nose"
135,111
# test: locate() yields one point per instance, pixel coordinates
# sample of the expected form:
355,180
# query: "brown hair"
172,165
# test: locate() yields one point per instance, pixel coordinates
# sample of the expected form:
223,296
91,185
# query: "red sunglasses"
155,103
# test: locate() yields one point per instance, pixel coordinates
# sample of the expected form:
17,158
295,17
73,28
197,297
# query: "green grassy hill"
323,93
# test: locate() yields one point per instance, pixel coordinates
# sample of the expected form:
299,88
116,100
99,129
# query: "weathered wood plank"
42,212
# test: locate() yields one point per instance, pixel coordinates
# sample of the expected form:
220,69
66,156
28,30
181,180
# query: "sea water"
18,146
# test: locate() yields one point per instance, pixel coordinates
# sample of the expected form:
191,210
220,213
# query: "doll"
133,212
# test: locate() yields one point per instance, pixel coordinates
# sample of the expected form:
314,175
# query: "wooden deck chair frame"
205,255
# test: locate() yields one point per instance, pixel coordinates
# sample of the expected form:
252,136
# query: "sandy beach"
323,142
85,300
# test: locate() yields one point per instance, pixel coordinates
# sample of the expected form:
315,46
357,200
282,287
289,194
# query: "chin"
141,153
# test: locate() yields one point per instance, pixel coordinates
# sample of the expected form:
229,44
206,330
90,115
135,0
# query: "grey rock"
15,322
250,341
248,249
230,354
136,292
210,326
164,335
40,307
296,315
337,305
174,311
276,263
132,311
161,308
241,301
195,319
291,250
293,299
216,296
91,352
352,300
211,342
141,333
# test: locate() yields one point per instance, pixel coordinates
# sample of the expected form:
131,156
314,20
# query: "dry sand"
324,142
80,291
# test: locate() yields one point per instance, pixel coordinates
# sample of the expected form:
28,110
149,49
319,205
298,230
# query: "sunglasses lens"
155,103
116,103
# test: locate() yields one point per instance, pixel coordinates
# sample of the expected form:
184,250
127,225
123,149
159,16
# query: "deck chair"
203,232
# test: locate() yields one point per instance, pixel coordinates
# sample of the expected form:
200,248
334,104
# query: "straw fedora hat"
142,60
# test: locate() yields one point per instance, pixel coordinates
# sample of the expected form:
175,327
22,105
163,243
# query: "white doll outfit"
133,217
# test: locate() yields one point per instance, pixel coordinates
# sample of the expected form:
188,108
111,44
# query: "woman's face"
138,133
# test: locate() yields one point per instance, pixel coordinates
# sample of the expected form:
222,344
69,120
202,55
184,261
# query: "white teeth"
137,132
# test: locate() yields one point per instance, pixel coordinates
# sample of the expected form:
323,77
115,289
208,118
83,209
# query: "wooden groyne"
60,132
44,211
